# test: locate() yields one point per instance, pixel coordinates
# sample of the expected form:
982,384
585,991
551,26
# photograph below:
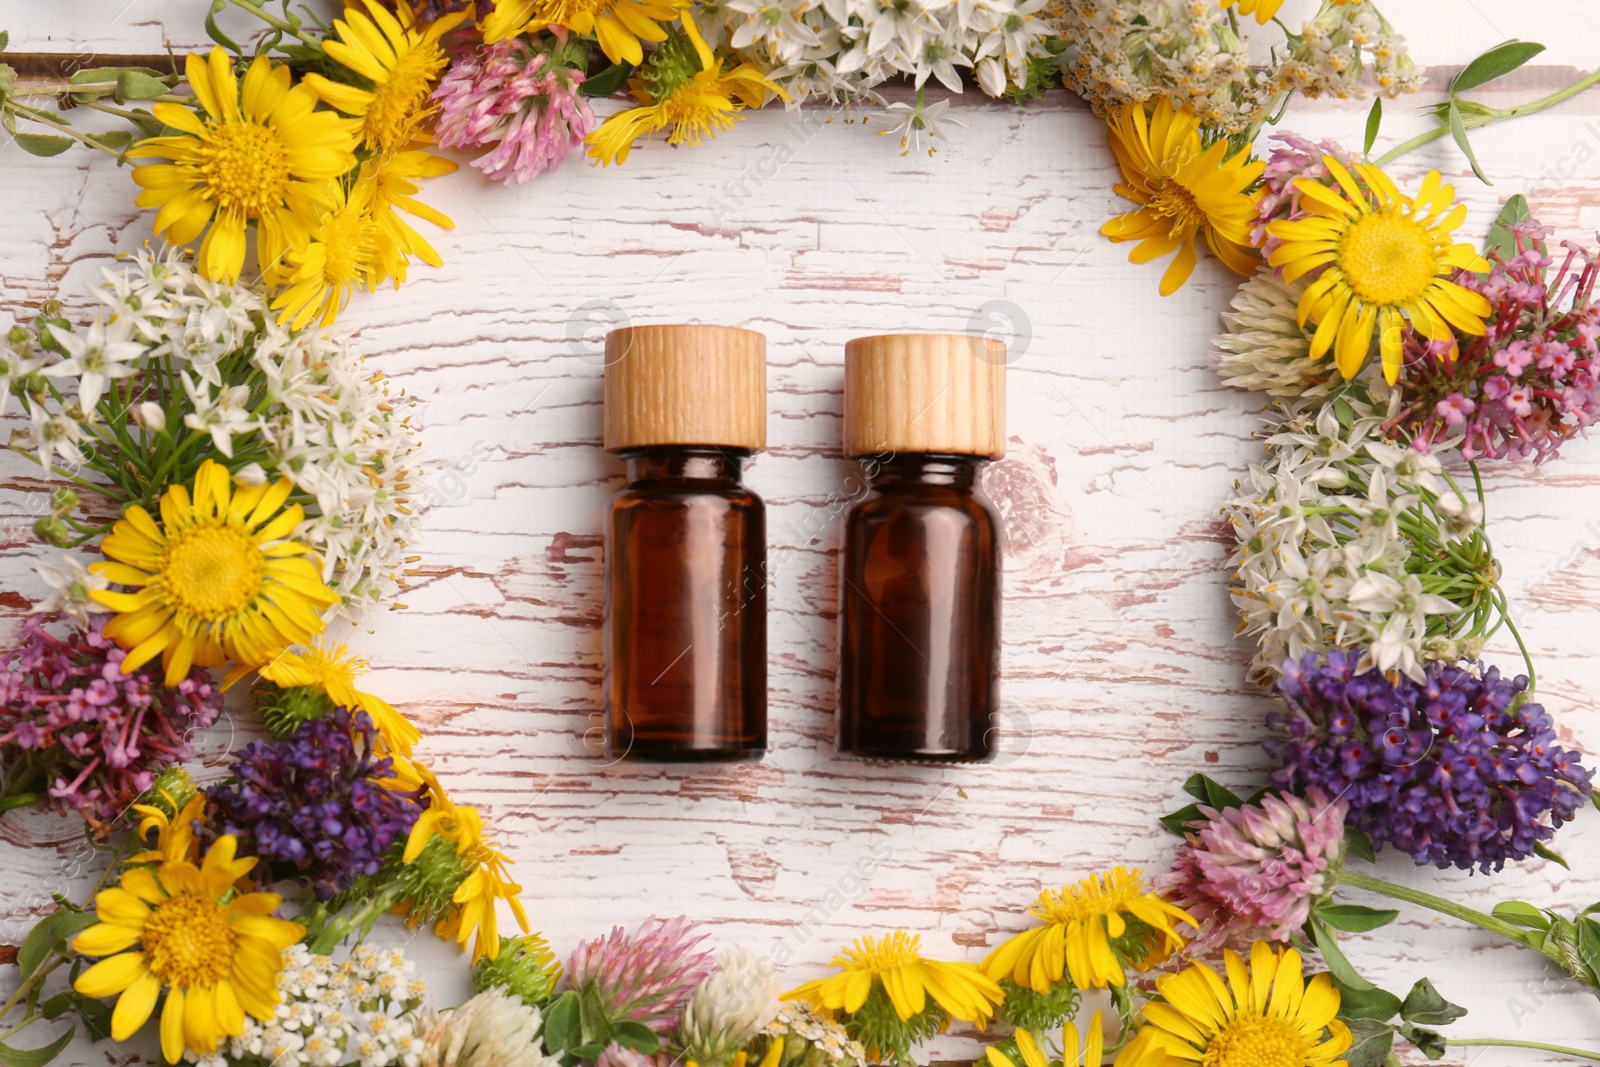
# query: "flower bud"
250,475
151,416
63,500
52,531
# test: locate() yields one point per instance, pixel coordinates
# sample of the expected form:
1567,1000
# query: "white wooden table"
1121,674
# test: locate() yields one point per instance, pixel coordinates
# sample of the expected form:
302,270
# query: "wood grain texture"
1121,674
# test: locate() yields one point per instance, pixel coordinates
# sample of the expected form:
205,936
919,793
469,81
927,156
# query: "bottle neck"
684,463
924,468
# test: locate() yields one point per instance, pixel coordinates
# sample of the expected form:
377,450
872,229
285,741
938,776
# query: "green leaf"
1374,120
1178,822
1377,1005
1589,949
1519,913
5,39
1424,1006
43,144
1356,918
214,31
1497,62
1357,843
608,81
33,1057
636,1036
1344,412
36,946
140,85
1501,240
96,1014
563,1029
1333,956
1210,792
116,140
1458,130
1370,1043
1544,851
1430,1043
21,800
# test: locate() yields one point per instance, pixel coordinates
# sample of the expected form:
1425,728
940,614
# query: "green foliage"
886,1036
1212,794
1374,120
1376,1017
1355,918
577,1029
1038,1012
33,1057
1459,115
525,967
286,710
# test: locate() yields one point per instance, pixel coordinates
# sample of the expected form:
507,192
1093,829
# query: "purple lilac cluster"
72,721
519,99
1457,770
1256,870
1297,158
1531,382
308,803
645,977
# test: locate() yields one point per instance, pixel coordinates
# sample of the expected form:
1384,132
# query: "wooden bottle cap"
925,392
685,385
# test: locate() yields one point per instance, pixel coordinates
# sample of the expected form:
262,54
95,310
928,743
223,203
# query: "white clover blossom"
727,1010
1327,532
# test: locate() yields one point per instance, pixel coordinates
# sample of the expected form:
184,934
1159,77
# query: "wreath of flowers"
247,480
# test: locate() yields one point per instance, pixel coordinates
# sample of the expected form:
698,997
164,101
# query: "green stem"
1473,122
26,1019
24,989
63,128
1441,905
1495,1042
276,23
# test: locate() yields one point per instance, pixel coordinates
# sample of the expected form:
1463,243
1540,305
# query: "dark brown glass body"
920,614
685,675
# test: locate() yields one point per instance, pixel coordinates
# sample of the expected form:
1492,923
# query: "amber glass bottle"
919,633
685,676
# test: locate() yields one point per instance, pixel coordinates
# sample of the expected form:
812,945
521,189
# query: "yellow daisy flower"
1385,258
1185,189
1088,1052
343,254
401,61
395,185
618,25
1080,923
694,106
216,580
487,882
895,962
334,669
175,840
183,929
1265,1013
262,155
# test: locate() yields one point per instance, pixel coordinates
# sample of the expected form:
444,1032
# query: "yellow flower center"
333,665
1388,258
188,941
572,12
1098,895
1256,1042
244,167
898,949
348,239
400,104
213,572
1170,200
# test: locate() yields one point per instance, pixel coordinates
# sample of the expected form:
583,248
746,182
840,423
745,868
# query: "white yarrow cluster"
302,401
825,1043
1322,558
359,1011
841,50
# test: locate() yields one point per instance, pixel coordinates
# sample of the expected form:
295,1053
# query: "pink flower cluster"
646,977
70,719
1531,382
1298,158
1255,870
520,99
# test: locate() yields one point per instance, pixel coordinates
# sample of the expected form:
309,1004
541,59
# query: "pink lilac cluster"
1531,382
1298,158
520,99
645,977
70,719
1256,870
1460,769
309,806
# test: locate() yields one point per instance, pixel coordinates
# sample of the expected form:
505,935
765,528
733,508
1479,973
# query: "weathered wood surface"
1121,672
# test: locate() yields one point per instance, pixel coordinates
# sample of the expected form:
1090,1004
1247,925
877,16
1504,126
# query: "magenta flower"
1255,871
646,977
92,737
519,98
